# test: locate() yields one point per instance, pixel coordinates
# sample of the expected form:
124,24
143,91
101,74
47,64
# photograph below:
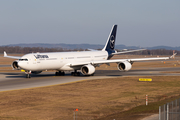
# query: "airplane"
85,61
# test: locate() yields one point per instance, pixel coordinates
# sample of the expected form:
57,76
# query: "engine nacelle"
15,65
87,69
124,66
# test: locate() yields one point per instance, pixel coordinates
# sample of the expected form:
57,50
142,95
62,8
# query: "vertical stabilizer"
110,44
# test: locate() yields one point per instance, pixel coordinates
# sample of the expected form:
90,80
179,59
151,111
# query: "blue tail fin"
109,47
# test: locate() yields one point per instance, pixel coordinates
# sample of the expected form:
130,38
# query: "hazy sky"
142,23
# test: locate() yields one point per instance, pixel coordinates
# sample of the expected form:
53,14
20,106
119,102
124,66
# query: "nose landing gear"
28,74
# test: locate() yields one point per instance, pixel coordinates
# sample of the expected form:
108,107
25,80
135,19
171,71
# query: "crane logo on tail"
112,41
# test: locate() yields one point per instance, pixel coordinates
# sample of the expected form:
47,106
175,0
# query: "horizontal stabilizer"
173,55
92,49
127,51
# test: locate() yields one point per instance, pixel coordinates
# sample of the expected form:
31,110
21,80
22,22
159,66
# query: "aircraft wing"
127,51
120,60
13,57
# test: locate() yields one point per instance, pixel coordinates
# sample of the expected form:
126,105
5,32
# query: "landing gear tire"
92,74
60,73
78,73
56,73
75,74
28,76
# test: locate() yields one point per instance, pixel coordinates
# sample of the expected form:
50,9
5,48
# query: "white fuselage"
59,60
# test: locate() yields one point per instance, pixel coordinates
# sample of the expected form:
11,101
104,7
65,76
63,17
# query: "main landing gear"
59,73
75,73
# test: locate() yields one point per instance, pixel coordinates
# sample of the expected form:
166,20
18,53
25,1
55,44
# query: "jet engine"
15,65
87,69
124,66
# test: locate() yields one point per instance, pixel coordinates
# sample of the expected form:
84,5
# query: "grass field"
95,99
120,98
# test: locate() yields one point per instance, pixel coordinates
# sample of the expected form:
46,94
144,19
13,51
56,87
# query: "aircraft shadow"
97,73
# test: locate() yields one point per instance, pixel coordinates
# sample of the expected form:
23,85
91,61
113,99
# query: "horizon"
140,23
85,44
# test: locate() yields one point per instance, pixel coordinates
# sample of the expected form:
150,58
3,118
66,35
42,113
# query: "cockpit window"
23,59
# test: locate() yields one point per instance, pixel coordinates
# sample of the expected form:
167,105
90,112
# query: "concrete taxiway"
13,81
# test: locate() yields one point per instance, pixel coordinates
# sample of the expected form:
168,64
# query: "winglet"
13,57
5,54
173,55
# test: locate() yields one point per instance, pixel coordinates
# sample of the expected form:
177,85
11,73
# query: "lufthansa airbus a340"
85,61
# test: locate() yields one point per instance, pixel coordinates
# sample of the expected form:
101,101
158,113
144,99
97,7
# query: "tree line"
156,52
25,50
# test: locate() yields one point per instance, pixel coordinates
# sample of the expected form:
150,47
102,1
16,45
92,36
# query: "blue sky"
143,23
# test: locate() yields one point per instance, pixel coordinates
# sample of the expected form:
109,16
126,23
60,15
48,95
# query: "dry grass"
94,99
